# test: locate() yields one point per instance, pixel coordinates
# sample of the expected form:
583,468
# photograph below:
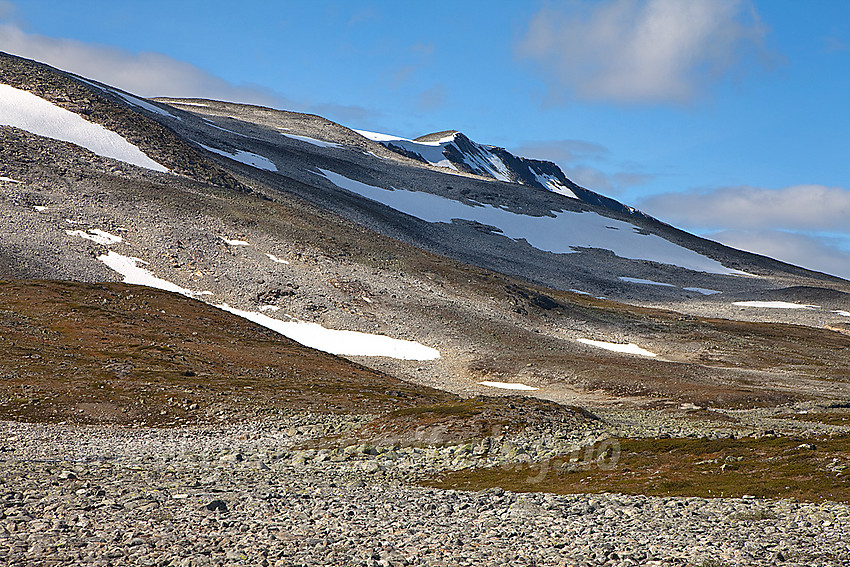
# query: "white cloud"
643,51
812,252
799,207
787,224
561,151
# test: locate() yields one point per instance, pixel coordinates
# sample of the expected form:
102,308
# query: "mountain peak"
438,137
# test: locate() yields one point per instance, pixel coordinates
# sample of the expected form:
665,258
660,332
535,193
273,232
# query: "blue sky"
729,118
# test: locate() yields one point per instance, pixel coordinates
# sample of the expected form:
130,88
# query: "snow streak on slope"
643,281
34,114
131,100
242,156
553,183
313,141
561,233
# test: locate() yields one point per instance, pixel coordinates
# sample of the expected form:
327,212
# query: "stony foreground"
242,496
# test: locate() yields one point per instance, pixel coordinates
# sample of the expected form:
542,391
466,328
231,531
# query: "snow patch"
269,308
313,141
274,258
190,103
234,242
561,233
774,305
40,208
843,313
10,180
29,112
509,385
242,156
618,347
644,282
377,136
702,290
343,343
95,235
553,184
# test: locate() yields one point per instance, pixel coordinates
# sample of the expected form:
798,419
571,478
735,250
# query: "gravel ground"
243,496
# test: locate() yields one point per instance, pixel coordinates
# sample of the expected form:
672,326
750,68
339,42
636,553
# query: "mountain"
452,150
445,276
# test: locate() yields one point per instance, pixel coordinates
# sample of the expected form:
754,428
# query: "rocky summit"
234,335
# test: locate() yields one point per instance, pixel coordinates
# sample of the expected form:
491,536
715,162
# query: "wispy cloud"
815,253
7,9
584,162
640,51
799,207
432,98
146,74
150,74
563,151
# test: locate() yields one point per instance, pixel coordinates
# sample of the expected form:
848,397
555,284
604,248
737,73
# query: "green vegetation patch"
768,467
825,417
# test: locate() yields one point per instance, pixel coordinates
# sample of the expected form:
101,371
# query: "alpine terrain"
239,335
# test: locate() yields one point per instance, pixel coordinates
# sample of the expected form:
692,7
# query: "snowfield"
561,233
35,115
618,347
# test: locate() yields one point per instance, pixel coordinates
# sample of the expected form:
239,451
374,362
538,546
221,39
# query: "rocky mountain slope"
291,219
239,335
